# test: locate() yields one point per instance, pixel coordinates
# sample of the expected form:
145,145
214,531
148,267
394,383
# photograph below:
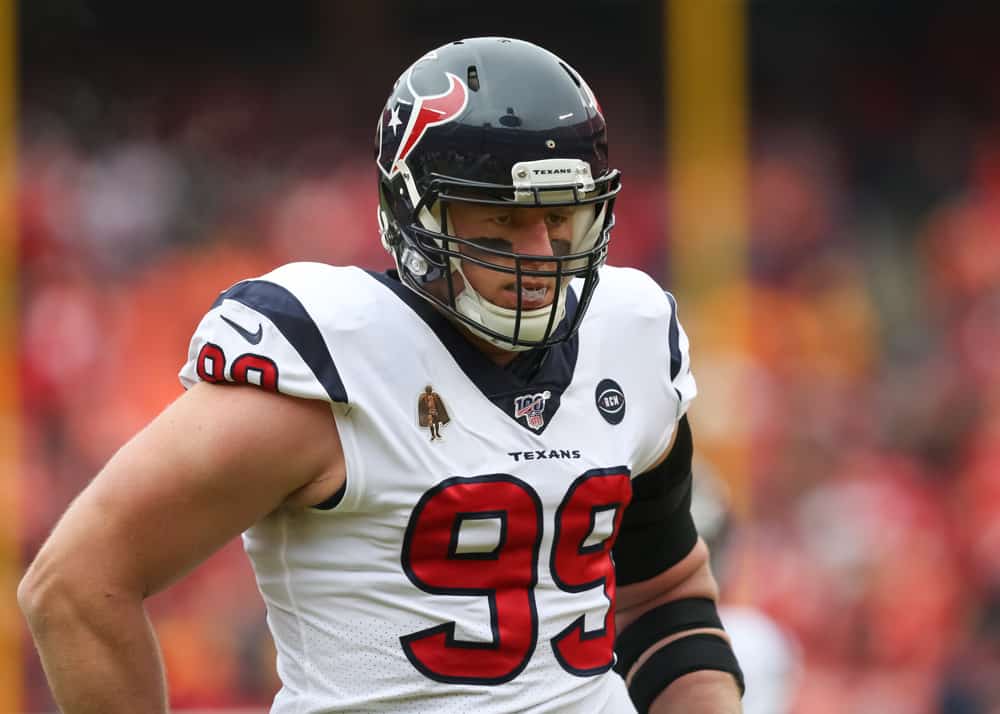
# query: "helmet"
493,121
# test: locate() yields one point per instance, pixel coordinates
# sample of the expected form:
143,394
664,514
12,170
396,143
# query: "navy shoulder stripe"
283,309
673,337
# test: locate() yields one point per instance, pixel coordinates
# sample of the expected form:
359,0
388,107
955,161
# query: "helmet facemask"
430,256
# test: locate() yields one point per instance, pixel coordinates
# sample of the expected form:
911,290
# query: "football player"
536,555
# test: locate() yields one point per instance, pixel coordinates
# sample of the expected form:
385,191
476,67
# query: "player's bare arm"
666,671
709,691
214,462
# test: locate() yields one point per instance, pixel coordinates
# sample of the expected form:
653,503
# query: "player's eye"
501,219
554,220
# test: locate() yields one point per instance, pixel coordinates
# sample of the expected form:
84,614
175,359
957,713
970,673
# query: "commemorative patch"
610,400
431,412
532,408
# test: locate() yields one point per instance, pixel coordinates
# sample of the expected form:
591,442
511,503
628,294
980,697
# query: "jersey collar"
542,374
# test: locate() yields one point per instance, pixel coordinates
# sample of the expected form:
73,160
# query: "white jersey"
466,566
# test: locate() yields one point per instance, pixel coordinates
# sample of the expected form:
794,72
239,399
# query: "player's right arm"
214,462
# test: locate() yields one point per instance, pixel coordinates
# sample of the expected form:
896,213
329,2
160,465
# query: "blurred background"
848,355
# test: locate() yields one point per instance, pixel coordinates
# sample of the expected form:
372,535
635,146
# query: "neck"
497,355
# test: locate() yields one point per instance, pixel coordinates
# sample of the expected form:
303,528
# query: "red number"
507,578
578,565
211,363
211,367
432,563
267,369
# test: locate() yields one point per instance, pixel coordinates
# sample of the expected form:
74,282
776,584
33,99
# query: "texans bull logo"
416,118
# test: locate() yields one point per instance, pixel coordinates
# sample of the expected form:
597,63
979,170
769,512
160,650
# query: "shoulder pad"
262,332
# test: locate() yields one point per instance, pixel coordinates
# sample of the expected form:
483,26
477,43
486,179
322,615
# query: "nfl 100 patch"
532,408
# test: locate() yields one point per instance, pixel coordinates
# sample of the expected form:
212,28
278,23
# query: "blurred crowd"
870,534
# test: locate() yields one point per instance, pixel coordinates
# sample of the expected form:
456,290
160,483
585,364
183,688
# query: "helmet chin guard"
521,328
496,122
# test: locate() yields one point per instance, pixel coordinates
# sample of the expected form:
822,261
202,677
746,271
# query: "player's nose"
534,236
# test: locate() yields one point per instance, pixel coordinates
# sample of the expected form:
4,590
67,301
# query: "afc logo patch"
532,408
610,400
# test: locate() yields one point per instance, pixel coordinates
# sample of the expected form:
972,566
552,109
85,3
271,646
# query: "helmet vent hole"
473,78
571,73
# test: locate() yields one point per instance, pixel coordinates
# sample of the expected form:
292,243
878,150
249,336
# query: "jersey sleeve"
681,377
259,332
658,361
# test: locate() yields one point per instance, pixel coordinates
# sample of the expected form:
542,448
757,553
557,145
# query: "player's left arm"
671,648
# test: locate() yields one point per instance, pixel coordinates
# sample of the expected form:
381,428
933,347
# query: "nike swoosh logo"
252,337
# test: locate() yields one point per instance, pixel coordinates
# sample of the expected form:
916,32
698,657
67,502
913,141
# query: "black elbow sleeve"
657,530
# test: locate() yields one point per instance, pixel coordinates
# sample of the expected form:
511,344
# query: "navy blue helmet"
493,121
